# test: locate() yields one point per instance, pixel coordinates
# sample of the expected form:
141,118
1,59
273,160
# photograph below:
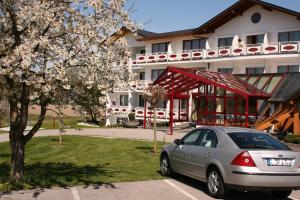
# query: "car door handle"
207,154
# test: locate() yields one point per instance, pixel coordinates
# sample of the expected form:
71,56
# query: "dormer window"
194,44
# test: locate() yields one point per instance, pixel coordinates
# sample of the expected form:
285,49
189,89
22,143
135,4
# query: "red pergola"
178,81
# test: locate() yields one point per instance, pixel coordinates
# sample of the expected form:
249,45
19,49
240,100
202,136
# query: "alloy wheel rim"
164,166
213,182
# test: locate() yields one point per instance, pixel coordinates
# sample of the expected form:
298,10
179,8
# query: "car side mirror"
177,142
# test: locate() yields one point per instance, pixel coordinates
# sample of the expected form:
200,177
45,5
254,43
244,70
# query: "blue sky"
171,15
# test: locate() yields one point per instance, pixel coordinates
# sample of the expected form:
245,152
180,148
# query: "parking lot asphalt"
180,188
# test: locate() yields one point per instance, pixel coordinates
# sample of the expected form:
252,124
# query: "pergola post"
187,107
179,109
198,103
172,107
235,108
247,112
145,110
225,108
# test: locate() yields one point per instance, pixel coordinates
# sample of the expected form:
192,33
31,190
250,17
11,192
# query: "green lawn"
82,160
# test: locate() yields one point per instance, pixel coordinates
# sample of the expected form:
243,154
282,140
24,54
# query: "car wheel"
281,194
215,184
165,166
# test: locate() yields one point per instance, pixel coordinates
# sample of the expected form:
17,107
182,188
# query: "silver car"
233,158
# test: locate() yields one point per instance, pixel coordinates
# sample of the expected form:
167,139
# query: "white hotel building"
251,37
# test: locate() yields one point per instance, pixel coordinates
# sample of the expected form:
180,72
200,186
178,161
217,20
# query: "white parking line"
180,190
293,198
75,193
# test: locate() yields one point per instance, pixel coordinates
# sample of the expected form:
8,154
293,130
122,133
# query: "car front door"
201,152
179,160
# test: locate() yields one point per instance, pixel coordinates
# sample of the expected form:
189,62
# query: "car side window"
192,137
209,139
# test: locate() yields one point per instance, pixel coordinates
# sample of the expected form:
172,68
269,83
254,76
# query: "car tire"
215,184
281,194
165,166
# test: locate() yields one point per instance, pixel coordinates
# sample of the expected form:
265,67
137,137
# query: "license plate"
279,162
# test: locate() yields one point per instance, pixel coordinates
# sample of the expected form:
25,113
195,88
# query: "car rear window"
248,140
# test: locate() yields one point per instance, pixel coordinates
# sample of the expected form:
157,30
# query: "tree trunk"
154,128
17,157
93,116
18,121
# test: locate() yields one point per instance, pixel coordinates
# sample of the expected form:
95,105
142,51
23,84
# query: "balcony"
162,114
137,86
218,53
118,111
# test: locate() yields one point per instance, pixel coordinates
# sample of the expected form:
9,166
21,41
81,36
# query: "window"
289,36
225,70
255,39
209,139
160,47
194,44
225,42
192,137
255,18
123,100
183,103
143,51
255,70
287,68
162,104
141,101
247,140
155,73
142,76
201,68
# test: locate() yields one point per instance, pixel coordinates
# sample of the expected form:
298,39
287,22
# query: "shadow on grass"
47,175
4,155
145,149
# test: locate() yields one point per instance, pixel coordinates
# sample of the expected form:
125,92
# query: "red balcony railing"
221,52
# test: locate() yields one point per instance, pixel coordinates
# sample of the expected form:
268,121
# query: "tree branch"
39,123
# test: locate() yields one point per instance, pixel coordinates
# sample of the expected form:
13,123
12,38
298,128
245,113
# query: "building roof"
287,88
236,10
220,19
145,33
171,34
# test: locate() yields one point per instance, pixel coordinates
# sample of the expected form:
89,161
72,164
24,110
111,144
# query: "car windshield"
249,140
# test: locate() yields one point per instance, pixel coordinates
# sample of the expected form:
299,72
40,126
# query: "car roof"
228,129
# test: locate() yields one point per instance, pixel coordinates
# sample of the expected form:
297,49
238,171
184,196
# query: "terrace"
279,48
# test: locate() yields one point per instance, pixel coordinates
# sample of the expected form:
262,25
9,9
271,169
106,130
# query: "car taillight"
244,159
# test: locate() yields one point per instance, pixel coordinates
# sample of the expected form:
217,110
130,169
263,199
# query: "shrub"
131,116
292,139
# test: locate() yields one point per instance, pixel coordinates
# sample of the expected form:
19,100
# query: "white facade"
270,54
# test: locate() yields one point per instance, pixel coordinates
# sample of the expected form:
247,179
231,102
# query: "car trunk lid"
275,160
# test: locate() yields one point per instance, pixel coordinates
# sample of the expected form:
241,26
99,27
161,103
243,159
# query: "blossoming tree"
45,45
